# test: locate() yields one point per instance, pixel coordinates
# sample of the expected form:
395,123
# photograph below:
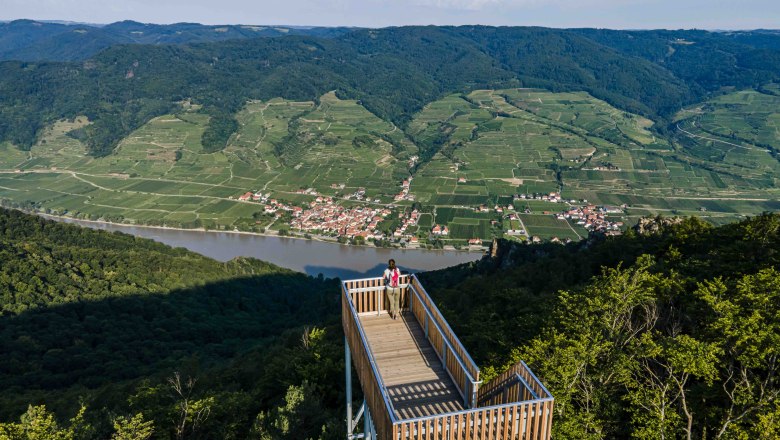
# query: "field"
548,226
720,163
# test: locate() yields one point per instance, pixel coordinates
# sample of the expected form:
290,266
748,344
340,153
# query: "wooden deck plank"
412,372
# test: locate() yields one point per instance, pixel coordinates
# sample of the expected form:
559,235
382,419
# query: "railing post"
444,356
465,392
378,302
474,389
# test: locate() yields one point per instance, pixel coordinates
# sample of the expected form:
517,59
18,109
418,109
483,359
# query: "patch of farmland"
547,226
472,229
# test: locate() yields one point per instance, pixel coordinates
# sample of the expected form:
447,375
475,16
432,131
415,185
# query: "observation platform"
418,380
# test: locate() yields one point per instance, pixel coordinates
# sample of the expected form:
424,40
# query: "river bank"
314,237
311,256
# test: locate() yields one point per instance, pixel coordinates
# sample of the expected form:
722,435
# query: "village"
325,216
594,218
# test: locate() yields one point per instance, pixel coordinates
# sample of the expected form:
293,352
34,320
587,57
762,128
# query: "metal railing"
449,356
460,349
376,396
515,420
514,405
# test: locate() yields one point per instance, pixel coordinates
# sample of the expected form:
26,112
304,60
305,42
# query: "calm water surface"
309,256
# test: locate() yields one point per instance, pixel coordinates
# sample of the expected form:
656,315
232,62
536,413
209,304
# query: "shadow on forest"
347,274
92,343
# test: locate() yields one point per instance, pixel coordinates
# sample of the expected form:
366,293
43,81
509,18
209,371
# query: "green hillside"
667,333
102,320
393,71
478,148
673,334
160,173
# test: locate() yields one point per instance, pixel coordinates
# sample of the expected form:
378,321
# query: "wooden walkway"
414,377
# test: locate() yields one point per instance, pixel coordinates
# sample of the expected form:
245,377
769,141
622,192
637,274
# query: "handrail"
536,379
444,339
512,380
457,356
452,333
527,385
370,354
474,410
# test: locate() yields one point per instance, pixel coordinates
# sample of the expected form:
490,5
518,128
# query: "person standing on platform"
392,278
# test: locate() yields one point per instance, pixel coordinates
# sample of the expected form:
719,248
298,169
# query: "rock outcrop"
655,225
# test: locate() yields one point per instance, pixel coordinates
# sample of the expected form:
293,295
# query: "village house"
439,230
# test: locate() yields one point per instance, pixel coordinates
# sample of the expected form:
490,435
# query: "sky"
616,14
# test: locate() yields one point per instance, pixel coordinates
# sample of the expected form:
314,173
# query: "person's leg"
389,294
391,302
397,301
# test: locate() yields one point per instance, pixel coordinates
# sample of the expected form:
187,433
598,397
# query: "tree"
299,418
746,322
39,424
190,412
135,428
659,379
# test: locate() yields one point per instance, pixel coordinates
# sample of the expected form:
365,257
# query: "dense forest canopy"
672,334
393,71
30,40
108,321
666,334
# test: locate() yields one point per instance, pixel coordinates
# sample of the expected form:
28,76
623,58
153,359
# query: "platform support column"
368,424
352,423
348,369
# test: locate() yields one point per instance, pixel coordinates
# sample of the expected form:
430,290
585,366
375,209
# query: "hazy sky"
634,14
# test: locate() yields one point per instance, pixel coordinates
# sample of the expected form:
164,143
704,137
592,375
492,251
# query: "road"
718,140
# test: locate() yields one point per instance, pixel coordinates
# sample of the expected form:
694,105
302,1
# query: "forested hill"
107,320
30,40
393,71
667,334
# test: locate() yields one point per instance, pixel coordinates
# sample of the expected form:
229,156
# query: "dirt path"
573,230
717,140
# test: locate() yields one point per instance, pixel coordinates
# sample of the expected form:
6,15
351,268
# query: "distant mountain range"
31,40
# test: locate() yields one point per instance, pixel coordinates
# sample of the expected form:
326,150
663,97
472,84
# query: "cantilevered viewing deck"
418,380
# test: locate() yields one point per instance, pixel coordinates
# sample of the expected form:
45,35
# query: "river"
309,256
